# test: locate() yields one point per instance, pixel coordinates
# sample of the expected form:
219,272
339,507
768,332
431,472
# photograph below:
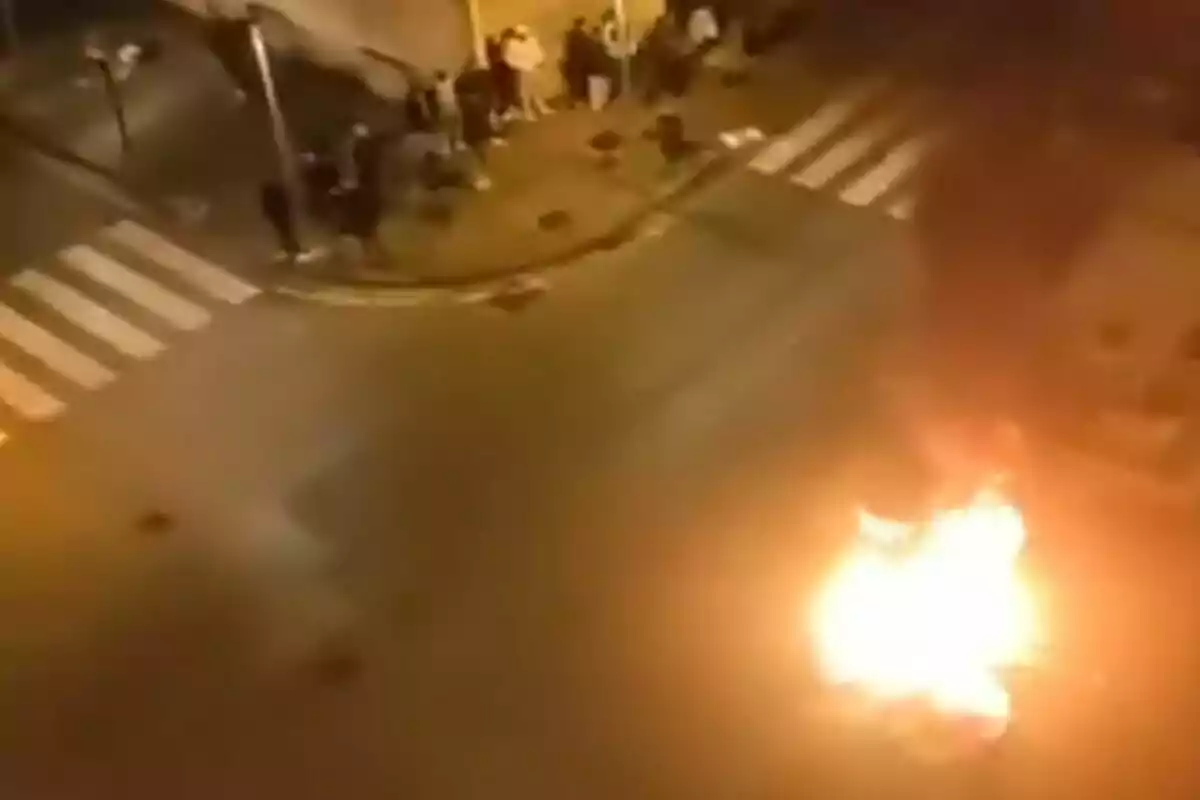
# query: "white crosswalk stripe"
840,157
191,268
180,312
902,208
88,314
895,166
803,137
26,397
53,351
861,149
82,294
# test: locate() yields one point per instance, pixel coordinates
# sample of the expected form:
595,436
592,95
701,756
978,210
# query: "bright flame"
935,612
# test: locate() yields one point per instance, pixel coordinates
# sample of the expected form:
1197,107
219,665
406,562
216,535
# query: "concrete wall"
430,34
551,18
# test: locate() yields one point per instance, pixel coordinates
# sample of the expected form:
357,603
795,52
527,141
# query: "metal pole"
287,158
478,42
112,91
626,42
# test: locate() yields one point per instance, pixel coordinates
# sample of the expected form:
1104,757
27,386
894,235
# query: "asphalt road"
571,545
44,204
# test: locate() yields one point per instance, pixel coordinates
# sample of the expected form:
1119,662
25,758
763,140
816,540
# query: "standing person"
575,61
477,99
347,157
523,52
703,30
616,46
276,207
418,116
364,212
654,55
368,157
363,207
599,70
320,174
504,79
449,111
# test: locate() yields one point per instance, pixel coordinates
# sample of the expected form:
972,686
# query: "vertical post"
288,170
11,37
626,46
112,91
478,40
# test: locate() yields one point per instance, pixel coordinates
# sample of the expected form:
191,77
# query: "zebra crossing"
69,322
859,144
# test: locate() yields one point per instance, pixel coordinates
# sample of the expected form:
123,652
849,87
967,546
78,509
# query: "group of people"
451,120
592,60
595,57
343,188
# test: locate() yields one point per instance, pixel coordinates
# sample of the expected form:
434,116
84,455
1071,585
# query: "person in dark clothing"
666,58
368,155
575,65
363,214
504,79
320,174
418,113
480,128
599,68
276,207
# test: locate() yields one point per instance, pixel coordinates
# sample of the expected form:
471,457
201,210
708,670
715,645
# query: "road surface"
567,549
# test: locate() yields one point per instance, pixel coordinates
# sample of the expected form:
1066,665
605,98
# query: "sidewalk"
199,156
555,197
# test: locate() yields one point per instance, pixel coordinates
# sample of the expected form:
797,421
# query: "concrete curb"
649,221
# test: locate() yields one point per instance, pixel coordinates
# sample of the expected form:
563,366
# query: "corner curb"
648,222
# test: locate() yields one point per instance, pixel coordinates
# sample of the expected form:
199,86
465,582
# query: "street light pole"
626,45
112,91
288,170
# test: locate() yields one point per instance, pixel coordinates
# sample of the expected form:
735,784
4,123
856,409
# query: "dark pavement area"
571,546
464,552
46,205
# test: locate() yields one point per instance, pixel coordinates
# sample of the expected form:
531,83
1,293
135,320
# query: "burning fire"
935,612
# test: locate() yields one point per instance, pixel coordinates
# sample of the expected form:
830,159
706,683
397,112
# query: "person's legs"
289,245
598,90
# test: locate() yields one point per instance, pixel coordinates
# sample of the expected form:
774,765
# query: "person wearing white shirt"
524,55
702,28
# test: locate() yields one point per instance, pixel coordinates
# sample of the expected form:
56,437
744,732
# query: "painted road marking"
180,312
896,165
902,208
203,275
88,314
53,351
805,135
26,397
737,138
840,157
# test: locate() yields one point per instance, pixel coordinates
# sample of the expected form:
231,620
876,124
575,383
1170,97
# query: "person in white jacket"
703,29
524,55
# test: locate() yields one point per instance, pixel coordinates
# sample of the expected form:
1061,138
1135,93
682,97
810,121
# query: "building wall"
551,18
429,34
